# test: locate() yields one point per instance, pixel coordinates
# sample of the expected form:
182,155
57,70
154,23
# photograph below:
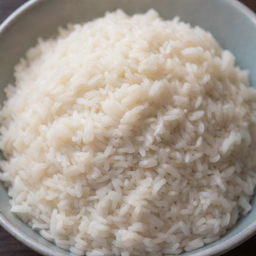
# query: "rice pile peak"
130,136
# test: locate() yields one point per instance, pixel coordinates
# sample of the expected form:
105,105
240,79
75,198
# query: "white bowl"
230,22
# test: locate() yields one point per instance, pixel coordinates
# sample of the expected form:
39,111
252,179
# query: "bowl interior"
230,22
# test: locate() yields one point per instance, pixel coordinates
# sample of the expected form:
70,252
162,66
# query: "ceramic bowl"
230,22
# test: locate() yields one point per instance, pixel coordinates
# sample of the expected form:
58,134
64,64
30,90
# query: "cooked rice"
129,136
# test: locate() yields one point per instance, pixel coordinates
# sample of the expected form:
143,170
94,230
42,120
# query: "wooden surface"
11,247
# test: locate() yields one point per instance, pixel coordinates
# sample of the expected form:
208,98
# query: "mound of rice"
129,136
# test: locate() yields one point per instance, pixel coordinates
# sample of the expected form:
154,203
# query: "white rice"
129,136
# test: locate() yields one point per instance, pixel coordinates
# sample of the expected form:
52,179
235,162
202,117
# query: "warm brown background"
11,247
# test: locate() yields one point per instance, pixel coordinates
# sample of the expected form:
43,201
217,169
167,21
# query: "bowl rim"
217,249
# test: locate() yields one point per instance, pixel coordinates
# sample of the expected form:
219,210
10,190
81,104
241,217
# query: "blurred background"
11,247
